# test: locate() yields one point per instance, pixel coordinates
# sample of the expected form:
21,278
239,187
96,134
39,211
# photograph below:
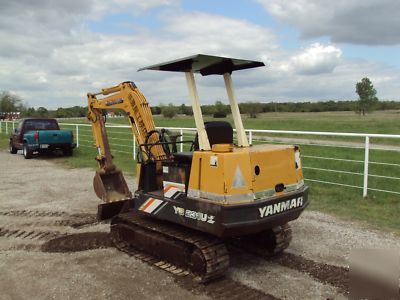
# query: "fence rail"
122,133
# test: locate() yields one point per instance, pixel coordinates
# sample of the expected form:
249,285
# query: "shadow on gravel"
223,288
50,155
245,257
78,242
334,275
81,220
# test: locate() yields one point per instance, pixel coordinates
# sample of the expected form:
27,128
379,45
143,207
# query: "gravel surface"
330,240
43,204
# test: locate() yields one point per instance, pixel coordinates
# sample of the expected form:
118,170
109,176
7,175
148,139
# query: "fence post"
181,140
6,127
366,160
1,126
134,148
250,137
77,135
13,125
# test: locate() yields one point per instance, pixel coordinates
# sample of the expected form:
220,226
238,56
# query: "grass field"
382,122
380,210
386,122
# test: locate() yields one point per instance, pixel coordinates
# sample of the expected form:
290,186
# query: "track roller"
271,242
204,256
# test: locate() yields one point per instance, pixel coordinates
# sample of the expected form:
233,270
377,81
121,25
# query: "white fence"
83,138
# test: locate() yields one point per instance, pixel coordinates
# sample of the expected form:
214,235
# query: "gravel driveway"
41,201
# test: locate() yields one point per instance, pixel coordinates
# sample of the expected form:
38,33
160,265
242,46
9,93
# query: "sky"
54,52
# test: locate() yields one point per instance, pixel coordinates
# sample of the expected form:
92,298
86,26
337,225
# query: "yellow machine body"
225,174
245,175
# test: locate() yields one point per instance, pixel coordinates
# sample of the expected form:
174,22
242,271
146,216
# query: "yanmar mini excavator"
188,204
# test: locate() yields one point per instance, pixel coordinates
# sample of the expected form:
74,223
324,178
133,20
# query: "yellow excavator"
188,204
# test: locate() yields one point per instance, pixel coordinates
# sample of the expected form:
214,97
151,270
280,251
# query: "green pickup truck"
40,135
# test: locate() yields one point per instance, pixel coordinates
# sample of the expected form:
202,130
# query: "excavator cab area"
218,134
150,167
223,169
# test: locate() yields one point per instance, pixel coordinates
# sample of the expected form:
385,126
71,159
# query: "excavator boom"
109,183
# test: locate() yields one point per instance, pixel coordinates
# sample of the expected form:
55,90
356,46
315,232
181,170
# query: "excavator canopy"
205,65
210,65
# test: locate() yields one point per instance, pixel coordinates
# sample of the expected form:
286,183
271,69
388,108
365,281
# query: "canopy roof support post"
204,143
237,119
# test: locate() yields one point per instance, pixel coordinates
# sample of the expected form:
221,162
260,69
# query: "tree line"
253,109
217,110
366,103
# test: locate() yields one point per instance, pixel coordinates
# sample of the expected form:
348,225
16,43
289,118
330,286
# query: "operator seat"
218,132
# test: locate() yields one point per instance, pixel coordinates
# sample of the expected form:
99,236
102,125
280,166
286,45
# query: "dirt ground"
42,202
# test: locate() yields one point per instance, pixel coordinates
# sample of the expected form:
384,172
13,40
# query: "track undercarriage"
203,255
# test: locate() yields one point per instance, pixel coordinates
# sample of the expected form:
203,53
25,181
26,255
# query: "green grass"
379,122
379,210
382,122
376,211
83,157
3,141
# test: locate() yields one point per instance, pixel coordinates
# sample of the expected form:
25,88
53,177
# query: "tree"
367,100
61,113
251,108
155,110
220,110
169,111
208,109
10,102
42,112
30,112
185,110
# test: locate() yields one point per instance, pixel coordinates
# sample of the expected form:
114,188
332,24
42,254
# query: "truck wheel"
12,149
67,151
27,153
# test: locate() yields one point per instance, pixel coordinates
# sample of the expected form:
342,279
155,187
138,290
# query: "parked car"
40,135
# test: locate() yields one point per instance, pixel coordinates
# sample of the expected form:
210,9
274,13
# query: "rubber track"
222,288
214,252
283,237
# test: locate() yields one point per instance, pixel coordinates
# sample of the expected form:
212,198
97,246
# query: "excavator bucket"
111,186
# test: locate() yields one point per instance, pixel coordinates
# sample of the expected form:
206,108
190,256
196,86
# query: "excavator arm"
109,183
